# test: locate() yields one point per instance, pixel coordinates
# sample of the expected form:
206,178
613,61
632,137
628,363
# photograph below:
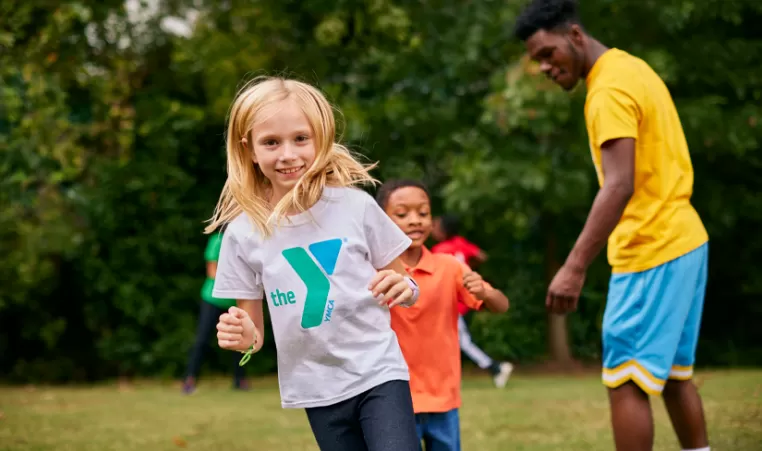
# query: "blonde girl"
324,257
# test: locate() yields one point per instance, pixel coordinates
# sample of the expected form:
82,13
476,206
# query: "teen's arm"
618,161
253,307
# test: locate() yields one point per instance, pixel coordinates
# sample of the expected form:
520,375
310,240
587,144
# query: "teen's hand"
564,290
392,286
235,330
475,285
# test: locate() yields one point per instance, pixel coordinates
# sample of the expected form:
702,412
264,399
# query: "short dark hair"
450,225
390,186
545,15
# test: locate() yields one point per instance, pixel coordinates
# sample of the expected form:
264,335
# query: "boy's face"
410,209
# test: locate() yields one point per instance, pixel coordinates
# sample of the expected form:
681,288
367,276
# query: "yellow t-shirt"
627,99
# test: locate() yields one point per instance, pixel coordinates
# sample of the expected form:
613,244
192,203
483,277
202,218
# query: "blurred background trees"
111,157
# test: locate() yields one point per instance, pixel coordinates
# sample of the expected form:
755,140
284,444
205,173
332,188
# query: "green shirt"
212,254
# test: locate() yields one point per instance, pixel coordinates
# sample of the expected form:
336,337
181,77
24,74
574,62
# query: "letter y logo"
326,253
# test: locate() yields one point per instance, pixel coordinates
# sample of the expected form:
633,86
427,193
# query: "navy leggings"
207,322
381,419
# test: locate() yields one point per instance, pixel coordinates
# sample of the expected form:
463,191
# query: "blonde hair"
246,187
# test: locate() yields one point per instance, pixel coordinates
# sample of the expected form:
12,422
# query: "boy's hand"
393,286
475,285
235,330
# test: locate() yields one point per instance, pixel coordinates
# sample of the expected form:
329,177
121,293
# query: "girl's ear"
245,144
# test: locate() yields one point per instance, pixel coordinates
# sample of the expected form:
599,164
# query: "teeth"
289,171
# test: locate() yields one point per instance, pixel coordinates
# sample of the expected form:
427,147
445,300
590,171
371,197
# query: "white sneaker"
502,377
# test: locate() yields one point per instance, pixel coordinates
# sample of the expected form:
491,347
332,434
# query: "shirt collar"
425,264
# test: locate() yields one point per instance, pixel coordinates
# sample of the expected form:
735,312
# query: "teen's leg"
207,319
631,418
387,419
336,427
680,394
644,317
443,431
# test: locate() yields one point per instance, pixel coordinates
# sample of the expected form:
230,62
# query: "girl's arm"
253,307
395,284
397,266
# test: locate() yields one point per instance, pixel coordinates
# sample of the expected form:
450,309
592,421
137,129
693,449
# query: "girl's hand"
236,331
394,288
475,285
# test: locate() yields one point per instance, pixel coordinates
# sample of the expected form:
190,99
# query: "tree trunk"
558,337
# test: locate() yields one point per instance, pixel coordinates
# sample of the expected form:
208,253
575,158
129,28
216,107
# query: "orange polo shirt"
428,332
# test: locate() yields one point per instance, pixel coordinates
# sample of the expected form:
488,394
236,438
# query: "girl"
324,257
428,332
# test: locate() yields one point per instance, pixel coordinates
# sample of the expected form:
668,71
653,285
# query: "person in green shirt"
211,309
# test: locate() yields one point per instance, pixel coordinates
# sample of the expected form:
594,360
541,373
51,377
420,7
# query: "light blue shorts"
651,323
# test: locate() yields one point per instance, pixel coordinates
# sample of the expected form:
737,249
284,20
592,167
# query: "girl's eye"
302,138
424,213
400,215
270,142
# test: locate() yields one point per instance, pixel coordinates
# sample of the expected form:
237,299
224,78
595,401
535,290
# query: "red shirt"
464,251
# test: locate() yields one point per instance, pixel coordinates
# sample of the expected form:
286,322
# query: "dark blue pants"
439,431
381,419
207,323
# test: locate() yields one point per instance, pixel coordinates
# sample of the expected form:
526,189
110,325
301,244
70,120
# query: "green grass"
533,413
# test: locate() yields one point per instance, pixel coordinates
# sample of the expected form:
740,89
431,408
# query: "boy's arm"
493,299
496,298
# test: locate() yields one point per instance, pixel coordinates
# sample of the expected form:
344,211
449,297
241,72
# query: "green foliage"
111,158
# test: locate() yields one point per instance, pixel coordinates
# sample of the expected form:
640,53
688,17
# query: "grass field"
532,413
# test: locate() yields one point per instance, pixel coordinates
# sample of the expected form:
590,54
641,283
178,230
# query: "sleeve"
212,252
384,239
613,113
235,279
463,294
472,250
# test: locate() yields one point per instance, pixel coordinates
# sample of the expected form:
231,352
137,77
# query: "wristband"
247,353
416,291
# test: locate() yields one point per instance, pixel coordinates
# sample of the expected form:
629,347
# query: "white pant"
468,347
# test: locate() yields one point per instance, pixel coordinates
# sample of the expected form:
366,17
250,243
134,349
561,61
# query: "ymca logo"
325,253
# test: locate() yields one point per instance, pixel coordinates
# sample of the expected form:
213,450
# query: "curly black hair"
545,15
450,225
390,186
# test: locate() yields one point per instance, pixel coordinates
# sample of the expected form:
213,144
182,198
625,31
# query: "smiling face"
283,145
410,208
560,54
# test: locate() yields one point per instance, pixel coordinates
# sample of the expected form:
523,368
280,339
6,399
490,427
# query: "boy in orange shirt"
428,331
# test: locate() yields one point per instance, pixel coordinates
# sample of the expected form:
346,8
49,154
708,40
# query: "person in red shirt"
445,230
428,331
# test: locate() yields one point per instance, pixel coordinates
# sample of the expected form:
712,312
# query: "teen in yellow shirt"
657,244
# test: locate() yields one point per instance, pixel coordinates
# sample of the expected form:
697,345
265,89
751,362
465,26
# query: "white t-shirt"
333,339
